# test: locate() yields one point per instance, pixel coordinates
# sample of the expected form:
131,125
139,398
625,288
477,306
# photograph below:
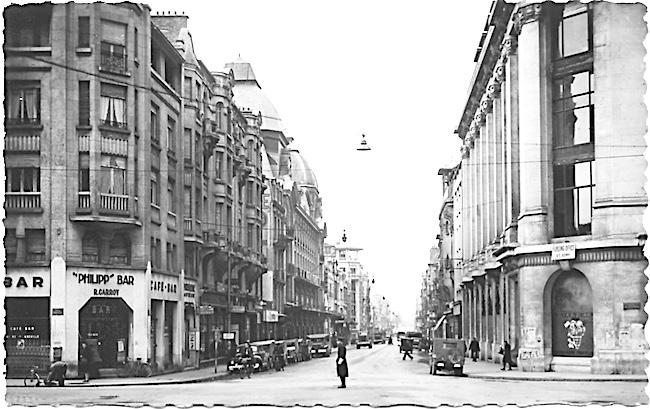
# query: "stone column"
511,135
493,299
534,126
479,315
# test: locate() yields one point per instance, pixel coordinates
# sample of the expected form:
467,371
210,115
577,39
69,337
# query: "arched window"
90,248
120,250
219,115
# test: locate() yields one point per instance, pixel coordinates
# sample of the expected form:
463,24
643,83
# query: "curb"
161,382
539,379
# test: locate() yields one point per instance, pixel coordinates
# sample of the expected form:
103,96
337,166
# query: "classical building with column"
549,199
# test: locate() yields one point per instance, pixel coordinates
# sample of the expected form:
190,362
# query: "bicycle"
32,378
131,368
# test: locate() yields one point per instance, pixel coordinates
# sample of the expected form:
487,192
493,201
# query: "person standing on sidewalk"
507,355
341,364
474,349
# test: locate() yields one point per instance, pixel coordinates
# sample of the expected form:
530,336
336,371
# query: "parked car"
320,345
236,362
447,354
292,350
265,351
416,337
379,338
364,341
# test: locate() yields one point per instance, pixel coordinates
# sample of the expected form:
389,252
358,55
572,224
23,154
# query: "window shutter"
113,32
84,102
113,91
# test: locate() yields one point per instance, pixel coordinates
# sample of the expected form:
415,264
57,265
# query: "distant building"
548,198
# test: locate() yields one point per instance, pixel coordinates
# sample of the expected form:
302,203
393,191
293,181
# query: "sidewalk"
187,376
489,370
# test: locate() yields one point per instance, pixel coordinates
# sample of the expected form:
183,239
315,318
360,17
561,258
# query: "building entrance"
108,320
572,315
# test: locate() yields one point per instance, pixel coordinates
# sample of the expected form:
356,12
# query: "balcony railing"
111,202
114,62
187,225
84,143
84,200
114,124
115,146
22,200
23,143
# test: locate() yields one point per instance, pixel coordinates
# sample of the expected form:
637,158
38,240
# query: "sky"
398,72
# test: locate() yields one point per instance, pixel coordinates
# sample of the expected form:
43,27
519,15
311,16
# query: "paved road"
378,377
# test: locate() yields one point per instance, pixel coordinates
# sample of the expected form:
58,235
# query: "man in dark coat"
341,364
507,356
474,349
407,348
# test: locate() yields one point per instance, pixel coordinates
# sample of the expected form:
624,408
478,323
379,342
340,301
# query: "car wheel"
370,346
358,346
458,371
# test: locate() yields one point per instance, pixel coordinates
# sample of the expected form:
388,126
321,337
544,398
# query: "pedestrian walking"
341,364
407,348
84,361
507,355
247,358
474,349
94,359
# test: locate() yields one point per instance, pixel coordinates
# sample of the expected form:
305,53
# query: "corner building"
549,197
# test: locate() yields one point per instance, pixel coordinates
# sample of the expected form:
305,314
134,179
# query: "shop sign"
206,310
631,306
189,291
112,282
270,316
563,251
57,311
238,309
339,322
228,335
27,284
164,287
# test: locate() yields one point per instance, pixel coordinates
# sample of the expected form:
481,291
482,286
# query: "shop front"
191,324
166,338
104,308
27,303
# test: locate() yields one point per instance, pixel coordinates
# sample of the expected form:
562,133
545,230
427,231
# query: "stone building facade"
548,209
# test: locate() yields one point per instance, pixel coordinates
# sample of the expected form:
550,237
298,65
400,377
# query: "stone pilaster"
534,121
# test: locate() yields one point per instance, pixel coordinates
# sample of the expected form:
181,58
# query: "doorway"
572,315
106,320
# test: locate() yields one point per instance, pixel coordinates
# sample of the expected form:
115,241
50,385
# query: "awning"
444,317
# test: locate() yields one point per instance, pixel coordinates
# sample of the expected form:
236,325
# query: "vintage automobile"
265,351
236,363
320,345
364,341
416,337
292,350
379,338
447,355
304,348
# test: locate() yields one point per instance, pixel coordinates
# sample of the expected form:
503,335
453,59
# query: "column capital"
494,87
526,14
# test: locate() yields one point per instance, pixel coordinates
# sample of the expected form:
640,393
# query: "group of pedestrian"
505,350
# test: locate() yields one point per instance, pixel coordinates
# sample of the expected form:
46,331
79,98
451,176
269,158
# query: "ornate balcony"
22,143
113,61
83,202
19,201
111,203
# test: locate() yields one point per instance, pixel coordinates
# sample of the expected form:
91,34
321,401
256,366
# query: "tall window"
113,105
155,125
573,186
83,41
113,175
84,172
120,250
23,180
573,119
218,160
171,134
90,248
187,202
573,31
113,46
155,187
35,244
573,109
84,103
250,199
249,236
171,195
23,102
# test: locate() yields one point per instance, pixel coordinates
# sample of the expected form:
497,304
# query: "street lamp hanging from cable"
363,146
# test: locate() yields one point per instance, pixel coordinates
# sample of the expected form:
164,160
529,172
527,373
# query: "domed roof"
248,95
301,173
